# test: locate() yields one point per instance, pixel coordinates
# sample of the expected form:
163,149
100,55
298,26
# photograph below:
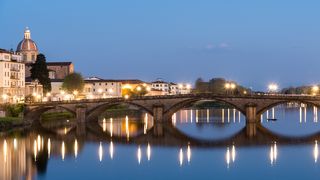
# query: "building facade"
102,88
12,77
170,88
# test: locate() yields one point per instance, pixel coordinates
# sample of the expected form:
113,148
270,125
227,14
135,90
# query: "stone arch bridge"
163,107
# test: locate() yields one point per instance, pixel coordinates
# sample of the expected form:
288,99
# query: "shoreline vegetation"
56,116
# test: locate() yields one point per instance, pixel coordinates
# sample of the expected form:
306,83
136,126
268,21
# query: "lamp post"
230,86
315,90
273,88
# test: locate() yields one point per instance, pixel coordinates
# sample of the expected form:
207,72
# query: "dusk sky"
249,41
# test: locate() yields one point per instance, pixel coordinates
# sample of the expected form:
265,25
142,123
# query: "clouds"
222,45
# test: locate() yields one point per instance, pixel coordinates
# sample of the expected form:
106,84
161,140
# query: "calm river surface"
198,144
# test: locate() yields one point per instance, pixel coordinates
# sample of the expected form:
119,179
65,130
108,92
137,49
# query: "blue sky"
252,42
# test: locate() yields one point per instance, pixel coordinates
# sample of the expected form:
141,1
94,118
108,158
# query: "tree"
73,82
136,92
40,71
218,86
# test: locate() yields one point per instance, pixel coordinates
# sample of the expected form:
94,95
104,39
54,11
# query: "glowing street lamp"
148,88
75,92
5,97
188,86
138,88
315,90
232,85
227,85
273,87
126,96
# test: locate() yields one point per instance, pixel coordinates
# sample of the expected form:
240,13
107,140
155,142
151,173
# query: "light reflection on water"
292,119
213,123
16,162
127,126
69,156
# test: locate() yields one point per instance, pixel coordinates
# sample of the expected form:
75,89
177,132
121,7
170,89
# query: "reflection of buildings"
15,161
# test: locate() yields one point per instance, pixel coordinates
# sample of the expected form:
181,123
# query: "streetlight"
227,85
273,87
4,97
231,86
315,90
138,88
126,96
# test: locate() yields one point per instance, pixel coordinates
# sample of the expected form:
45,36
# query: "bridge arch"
187,103
33,116
92,114
263,109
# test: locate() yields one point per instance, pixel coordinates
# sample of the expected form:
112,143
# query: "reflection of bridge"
168,135
163,107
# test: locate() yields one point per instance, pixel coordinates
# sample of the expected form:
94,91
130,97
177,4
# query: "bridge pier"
81,113
251,120
158,113
81,129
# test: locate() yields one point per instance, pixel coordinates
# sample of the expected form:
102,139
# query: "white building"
170,88
12,77
102,88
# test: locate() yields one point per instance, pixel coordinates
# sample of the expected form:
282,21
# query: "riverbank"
7,123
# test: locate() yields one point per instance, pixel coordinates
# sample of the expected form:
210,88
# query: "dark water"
198,144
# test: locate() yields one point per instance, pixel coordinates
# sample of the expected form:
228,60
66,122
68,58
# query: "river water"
208,143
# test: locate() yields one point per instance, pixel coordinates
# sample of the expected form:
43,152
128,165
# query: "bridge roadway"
163,107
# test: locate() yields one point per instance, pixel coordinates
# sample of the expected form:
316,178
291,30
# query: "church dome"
27,44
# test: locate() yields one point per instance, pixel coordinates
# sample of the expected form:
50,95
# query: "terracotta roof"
27,45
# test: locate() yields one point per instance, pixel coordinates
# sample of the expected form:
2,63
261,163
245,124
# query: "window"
106,90
106,83
112,84
99,84
94,90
